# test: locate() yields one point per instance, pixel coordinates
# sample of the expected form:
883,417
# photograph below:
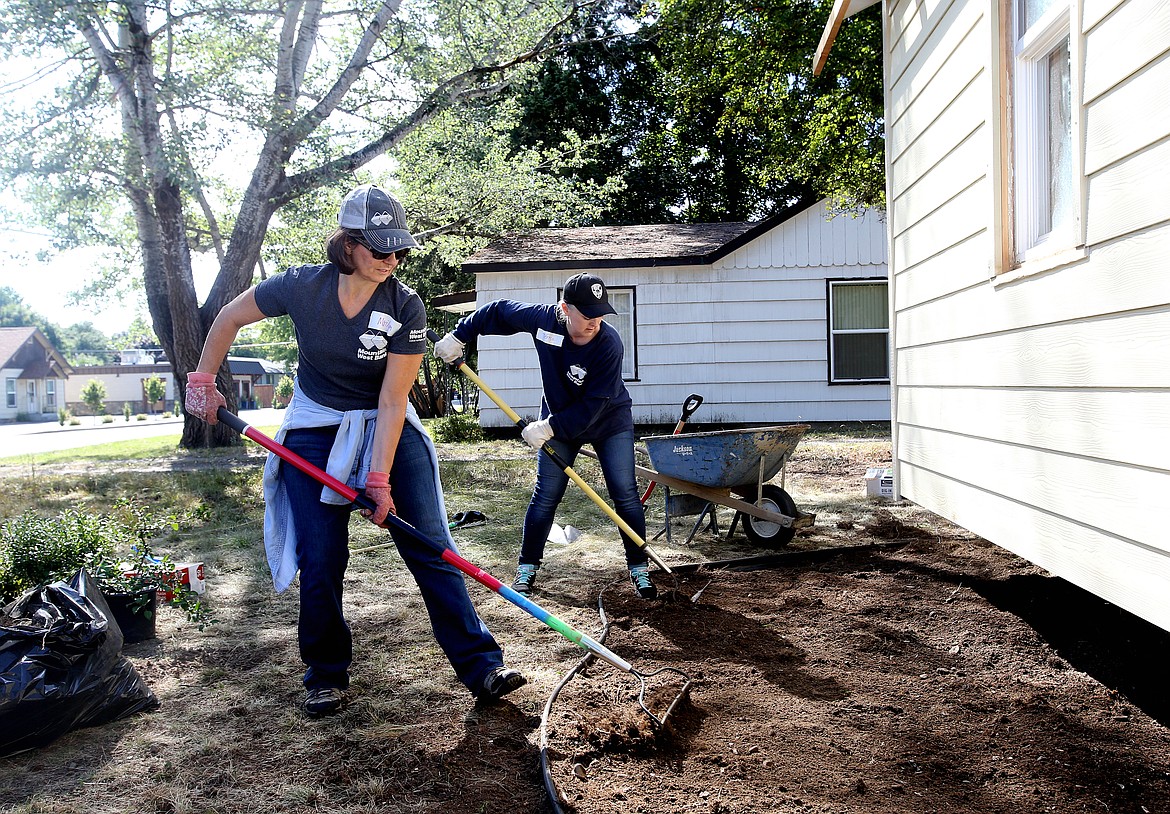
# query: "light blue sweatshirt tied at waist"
349,462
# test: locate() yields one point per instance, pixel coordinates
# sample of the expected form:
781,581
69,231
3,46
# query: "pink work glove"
202,398
378,490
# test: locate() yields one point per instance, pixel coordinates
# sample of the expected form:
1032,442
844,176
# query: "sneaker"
640,576
525,578
501,681
322,701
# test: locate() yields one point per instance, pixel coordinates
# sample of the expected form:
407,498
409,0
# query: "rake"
361,501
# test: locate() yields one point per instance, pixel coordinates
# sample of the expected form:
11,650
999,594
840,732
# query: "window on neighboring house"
1046,196
859,332
50,395
10,392
625,321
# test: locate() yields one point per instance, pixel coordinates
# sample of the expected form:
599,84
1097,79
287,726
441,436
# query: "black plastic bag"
61,666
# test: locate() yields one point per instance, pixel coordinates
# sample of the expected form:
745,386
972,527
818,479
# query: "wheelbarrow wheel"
765,532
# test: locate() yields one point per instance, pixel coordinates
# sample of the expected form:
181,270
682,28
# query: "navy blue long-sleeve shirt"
584,395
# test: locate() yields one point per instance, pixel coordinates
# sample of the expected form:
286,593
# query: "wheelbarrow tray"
725,459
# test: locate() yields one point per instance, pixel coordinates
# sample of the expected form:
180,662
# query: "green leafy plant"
283,392
114,548
456,429
126,411
62,416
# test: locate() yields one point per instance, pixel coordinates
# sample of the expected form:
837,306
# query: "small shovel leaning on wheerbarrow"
360,501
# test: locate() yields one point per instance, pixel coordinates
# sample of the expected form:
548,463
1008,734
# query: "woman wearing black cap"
361,335
585,401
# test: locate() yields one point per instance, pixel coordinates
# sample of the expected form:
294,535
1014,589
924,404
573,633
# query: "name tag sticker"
549,338
384,323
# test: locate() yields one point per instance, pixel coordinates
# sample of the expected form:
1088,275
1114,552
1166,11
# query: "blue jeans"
323,553
616,456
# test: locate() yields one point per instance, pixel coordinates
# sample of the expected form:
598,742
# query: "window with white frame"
622,300
1046,197
50,395
859,332
10,392
624,321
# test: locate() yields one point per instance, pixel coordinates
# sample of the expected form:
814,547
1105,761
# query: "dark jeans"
323,554
616,456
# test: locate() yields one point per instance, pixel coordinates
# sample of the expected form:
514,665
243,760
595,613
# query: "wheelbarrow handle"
468,568
689,406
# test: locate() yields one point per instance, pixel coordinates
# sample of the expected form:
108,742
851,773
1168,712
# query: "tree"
321,88
94,397
707,111
283,392
14,313
84,344
154,388
742,69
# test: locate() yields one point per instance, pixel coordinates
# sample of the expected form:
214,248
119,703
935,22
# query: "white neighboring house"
34,375
255,382
1028,162
774,322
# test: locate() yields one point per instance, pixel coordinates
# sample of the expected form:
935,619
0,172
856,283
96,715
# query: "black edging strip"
758,563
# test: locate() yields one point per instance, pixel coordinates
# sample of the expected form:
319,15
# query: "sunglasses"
401,254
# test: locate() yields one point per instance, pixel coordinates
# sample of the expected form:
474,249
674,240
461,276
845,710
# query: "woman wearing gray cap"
585,401
361,335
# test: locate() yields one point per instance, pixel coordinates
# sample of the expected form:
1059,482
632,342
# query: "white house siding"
1034,408
748,333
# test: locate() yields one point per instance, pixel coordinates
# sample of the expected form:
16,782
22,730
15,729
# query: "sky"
47,286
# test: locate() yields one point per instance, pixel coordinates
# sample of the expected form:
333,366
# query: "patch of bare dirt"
922,675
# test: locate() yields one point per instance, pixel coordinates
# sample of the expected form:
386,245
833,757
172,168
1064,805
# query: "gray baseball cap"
379,216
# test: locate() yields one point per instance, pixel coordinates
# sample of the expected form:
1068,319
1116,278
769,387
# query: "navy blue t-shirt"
583,388
341,361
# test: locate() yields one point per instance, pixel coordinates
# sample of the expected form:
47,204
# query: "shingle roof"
12,340
613,246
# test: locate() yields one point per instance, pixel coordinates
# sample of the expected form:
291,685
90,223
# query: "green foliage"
126,411
94,396
62,416
708,111
155,388
114,548
457,428
81,343
15,314
283,391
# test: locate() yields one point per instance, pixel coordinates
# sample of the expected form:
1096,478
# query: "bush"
140,417
126,411
73,421
36,550
459,428
107,419
62,416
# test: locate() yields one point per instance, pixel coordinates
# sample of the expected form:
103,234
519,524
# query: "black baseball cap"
586,292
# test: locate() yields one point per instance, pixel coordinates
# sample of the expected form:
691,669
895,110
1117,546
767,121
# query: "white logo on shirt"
577,374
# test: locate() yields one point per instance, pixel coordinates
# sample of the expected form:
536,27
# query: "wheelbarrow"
731,468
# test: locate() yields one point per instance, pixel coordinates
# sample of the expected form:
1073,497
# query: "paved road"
26,438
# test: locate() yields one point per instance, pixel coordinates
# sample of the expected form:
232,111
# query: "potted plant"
115,549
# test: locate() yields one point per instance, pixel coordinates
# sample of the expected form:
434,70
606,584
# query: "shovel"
361,501
689,406
466,370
